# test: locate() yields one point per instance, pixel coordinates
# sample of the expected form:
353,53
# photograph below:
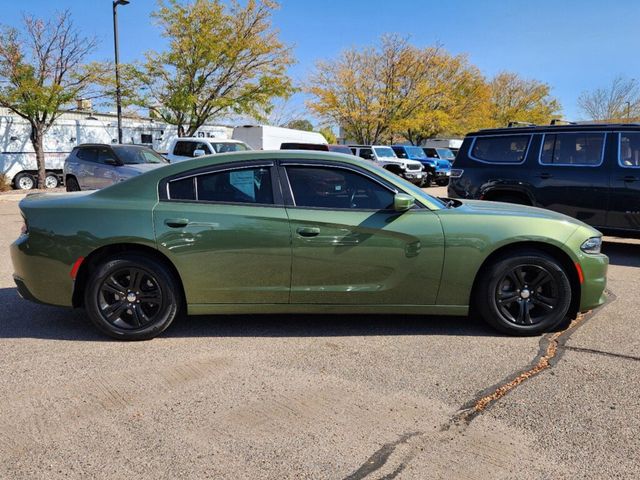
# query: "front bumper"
413,175
594,269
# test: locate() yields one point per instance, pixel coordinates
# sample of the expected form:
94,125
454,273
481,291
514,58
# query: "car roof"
112,145
209,139
588,127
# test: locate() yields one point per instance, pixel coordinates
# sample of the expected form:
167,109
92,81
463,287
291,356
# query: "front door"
227,235
351,247
625,184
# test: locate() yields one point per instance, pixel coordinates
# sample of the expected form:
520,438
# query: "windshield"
223,147
446,153
384,152
137,155
416,152
410,187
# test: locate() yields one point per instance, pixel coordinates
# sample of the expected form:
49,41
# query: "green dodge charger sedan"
299,232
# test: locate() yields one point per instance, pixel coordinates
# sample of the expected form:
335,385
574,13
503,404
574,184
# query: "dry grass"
4,183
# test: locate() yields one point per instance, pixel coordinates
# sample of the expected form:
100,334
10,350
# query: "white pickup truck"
184,148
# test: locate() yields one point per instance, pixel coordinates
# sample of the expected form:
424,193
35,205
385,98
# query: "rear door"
351,247
571,176
226,231
624,212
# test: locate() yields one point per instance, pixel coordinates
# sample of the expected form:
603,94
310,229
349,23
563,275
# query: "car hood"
484,207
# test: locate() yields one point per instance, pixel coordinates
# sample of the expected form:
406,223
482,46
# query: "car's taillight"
456,172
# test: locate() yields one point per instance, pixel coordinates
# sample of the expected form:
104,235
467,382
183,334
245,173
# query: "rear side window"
88,154
247,185
501,149
629,149
572,149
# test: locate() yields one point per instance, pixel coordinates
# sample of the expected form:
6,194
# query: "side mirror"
112,161
403,202
198,153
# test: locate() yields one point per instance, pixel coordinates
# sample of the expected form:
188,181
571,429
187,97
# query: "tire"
516,199
72,185
427,182
24,181
524,293
443,183
51,180
117,308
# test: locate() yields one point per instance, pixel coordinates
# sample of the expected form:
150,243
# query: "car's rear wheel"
524,293
132,297
72,185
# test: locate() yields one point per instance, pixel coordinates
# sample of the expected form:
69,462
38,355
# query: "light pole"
115,44
628,110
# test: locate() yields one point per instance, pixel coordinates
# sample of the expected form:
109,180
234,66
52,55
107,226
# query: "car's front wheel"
132,297
524,293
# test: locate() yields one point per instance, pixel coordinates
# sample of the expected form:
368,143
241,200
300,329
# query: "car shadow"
24,319
622,252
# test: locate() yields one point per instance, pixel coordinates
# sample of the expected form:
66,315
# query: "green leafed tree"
223,58
300,124
42,70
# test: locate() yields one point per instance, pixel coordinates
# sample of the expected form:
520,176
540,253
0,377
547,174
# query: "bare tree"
41,70
619,102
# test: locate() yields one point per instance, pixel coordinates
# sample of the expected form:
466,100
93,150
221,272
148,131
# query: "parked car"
384,156
437,171
304,146
340,149
185,148
441,166
94,166
452,144
442,153
590,172
214,236
266,137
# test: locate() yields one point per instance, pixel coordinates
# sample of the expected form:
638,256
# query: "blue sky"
574,45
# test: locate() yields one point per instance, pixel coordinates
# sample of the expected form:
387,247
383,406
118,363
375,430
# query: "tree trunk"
180,130
36,137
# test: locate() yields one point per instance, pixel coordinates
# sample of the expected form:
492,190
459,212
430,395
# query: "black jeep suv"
589,171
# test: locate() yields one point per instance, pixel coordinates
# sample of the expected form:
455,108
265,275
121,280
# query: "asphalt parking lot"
336,397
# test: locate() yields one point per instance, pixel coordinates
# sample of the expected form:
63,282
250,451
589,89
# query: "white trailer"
18,159
265,137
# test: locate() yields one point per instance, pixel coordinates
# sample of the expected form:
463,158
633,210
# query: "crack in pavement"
552,346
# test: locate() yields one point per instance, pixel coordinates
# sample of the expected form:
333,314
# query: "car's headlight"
592,245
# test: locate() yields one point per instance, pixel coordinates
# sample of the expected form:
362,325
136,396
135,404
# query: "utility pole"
115,44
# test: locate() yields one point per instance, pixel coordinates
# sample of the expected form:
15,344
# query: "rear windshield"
501,148
138,155
223,147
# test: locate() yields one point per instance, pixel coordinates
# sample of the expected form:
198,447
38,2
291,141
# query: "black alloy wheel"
523,293
132,297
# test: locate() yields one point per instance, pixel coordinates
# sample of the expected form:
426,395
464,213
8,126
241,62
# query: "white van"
184,148
265,137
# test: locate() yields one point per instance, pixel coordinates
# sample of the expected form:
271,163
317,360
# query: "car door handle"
176,222
545,175
630,178
308,231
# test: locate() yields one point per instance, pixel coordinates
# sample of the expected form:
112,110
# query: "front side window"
106,156
366,153
247,185
572,149
184,149
501,149
630,149
336,188
431,152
